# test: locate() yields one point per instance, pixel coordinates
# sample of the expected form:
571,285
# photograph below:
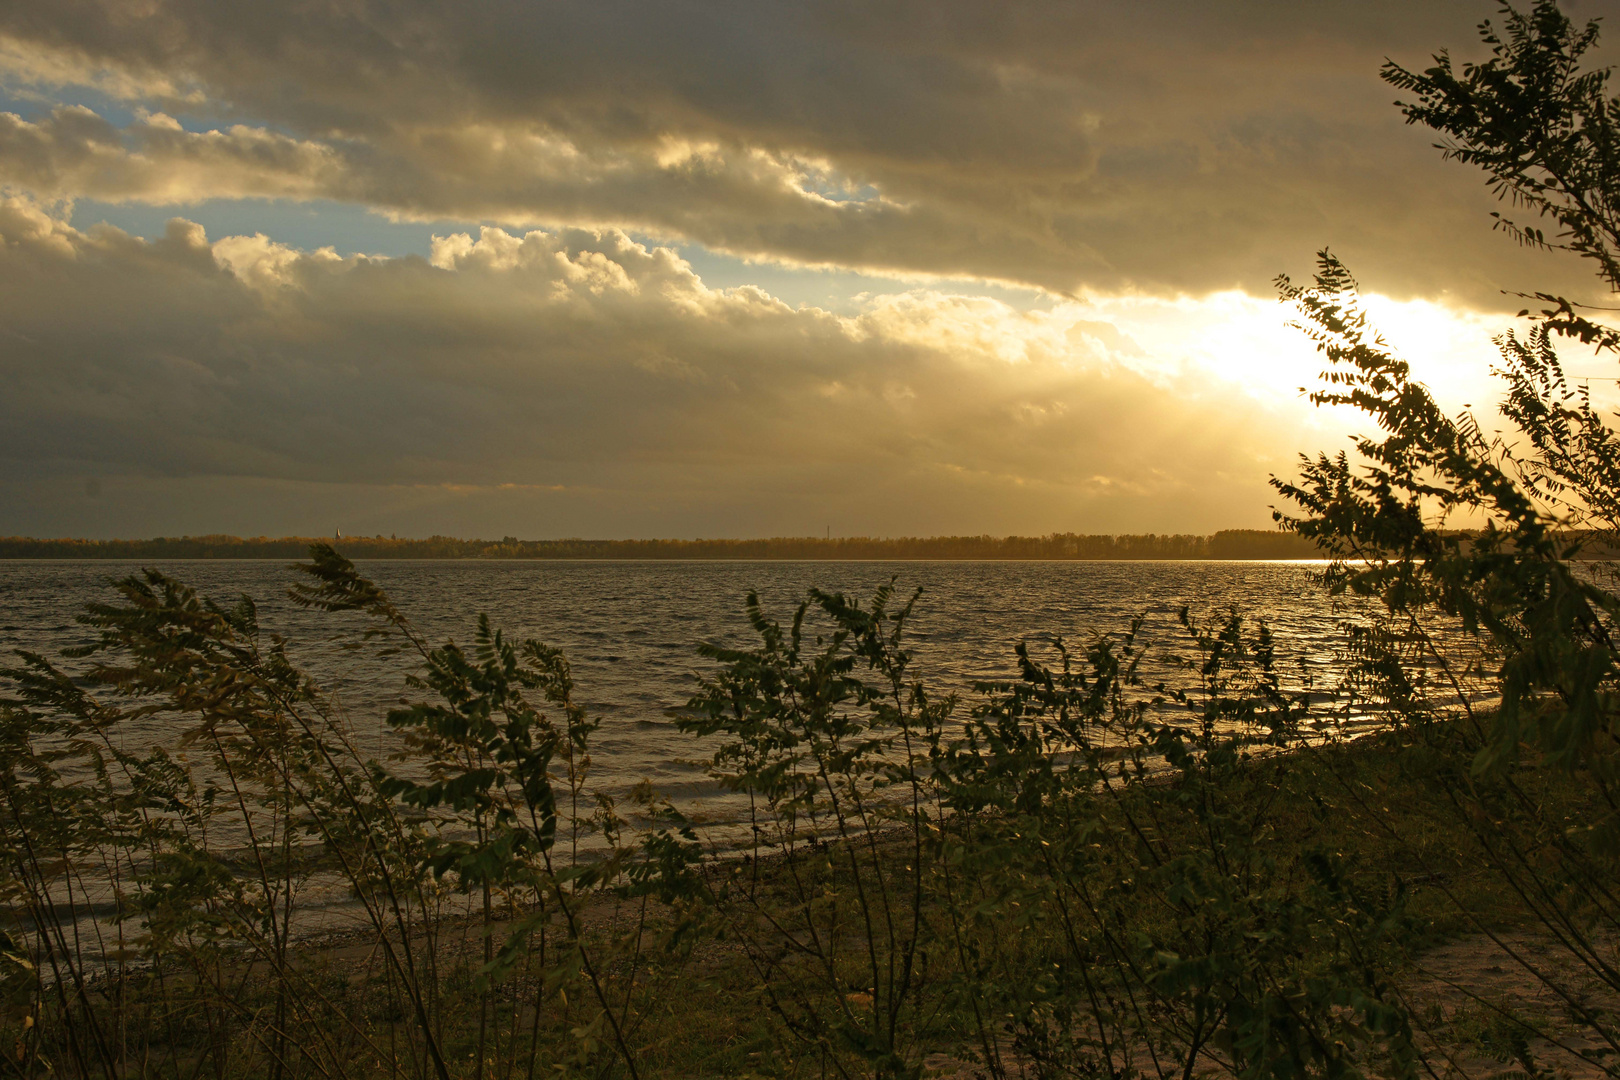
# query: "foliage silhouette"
1538,692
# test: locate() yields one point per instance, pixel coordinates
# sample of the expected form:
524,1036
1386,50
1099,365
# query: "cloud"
75,153
577,382
1166,146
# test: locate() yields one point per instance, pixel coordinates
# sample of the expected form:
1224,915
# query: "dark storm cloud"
1165,146
564,380
583,370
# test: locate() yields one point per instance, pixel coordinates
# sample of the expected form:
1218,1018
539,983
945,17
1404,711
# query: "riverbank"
702,987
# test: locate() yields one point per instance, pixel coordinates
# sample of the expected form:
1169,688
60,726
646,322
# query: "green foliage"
832,744
203,849
1081,870
1095,861
1502,610
1546,132
1200,923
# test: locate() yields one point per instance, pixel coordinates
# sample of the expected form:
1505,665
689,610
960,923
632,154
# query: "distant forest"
1227,544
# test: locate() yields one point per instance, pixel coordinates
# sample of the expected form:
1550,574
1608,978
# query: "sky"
735,268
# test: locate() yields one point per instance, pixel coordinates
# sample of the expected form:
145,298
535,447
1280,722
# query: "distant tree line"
1226,544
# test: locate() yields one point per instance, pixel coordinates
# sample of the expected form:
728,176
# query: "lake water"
630,628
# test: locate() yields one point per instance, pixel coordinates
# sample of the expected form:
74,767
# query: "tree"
1544,130
1490,540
